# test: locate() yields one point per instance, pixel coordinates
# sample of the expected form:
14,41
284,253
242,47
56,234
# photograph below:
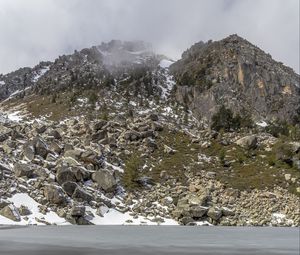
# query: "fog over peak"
35,30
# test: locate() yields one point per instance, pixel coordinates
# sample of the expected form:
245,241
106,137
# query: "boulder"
23,170
187,220
214,213
41,147
55,134
132,135
75,154
81,195
153,117
55,147
54,194
78,211
65,175
81,174
247,142
99,125
105,180
99,135
28,152
11,212
3,137
198,211
41,129
24,211
102,210
227,212
69,187
4,203
198,199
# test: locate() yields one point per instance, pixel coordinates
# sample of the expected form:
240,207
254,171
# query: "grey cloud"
35,30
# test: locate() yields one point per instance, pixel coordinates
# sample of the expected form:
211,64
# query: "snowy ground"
36,218
111,216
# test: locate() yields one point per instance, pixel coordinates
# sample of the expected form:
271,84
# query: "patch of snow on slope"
24,199
262,123
165,63
14,116
119,169
40,73
2,83
279,218
114,217
168,85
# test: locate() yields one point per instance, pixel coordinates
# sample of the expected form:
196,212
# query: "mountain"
117,134
235,73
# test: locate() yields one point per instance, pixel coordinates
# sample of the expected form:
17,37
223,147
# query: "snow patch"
262,123
15,116
40,73
119,169
114,217
36,217
280,218
165,63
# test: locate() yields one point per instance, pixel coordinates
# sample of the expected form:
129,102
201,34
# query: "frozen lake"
133,240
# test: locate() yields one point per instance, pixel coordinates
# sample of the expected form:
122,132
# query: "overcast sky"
35,30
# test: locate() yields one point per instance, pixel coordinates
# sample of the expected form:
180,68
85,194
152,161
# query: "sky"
36,30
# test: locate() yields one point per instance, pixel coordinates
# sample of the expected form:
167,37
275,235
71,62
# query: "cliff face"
237,74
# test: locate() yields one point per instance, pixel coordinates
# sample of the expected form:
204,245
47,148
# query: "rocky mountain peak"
235,73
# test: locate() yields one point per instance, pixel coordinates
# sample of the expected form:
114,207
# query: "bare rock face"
237,74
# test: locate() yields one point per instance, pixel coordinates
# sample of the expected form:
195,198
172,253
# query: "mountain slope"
237,74
116,134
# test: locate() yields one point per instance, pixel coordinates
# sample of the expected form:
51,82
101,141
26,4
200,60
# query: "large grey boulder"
23,170
69,187
248,142
78,211
105,180
81,195
99,125
24,211
75,154
214,213
40,147
198,211
11,212
132,135
55,134
54,194
28,151
65,175
99,135
3,203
